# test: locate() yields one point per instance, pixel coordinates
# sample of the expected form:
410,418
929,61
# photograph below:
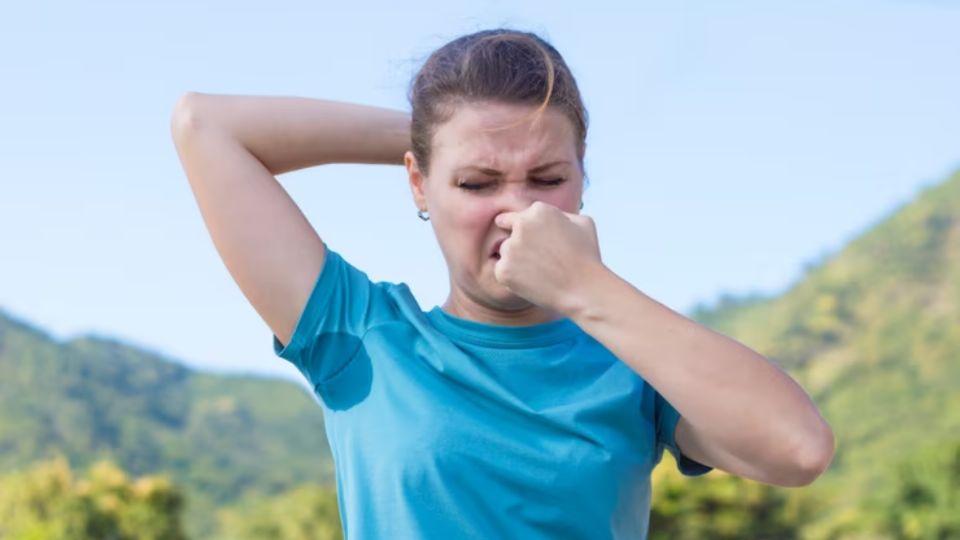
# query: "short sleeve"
667,417
343,304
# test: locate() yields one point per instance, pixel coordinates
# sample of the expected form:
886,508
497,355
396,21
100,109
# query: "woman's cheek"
568,200
465,230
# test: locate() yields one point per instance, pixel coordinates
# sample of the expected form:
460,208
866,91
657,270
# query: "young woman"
534,403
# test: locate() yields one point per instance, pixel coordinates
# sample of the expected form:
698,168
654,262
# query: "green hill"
221,438
873,333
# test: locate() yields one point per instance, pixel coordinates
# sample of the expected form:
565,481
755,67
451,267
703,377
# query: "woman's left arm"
739,411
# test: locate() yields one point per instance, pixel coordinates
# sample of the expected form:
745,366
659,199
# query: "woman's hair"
500,65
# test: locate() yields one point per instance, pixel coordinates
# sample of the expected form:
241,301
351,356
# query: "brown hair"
501,65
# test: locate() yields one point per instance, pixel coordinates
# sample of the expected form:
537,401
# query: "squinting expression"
479,169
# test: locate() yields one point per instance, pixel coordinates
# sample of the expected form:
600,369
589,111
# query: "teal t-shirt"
441,427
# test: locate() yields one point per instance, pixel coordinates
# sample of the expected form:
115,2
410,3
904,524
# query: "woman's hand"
549,256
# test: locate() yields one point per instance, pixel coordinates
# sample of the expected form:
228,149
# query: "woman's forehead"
501,120
493,170
507,135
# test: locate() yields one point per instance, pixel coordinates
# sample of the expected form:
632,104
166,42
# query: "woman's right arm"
232,146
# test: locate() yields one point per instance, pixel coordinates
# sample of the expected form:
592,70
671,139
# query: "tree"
308,512
926,504
722,506
47,502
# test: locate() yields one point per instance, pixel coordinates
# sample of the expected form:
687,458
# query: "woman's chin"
502,298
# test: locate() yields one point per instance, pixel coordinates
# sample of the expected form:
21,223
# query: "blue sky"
729,145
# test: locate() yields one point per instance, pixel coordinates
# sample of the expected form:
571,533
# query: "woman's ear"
416,180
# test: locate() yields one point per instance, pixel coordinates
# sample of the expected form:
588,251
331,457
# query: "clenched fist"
549,255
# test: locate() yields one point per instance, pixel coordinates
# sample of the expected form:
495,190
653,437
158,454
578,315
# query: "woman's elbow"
186,114
812,457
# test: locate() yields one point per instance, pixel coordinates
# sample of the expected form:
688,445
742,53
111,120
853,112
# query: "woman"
535,402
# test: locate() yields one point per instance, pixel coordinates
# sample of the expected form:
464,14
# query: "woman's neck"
528,315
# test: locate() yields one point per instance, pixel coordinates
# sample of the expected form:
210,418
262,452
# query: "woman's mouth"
495,253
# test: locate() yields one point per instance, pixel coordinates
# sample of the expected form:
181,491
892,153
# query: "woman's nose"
516,198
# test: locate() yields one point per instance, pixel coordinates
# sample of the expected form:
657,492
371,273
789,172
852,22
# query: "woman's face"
479,168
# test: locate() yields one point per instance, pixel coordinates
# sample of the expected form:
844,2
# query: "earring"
581,205
423,215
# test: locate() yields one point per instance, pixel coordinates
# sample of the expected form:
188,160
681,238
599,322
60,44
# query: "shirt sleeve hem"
685,465
316,302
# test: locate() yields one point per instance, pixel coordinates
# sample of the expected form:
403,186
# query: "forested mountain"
873,333
219,437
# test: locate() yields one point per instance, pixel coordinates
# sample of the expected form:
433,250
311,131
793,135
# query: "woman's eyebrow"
494,172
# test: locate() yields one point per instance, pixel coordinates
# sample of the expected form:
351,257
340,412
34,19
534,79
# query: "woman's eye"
472,187
551,182
542,182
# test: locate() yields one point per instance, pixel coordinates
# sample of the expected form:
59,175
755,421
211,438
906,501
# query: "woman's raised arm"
232,146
